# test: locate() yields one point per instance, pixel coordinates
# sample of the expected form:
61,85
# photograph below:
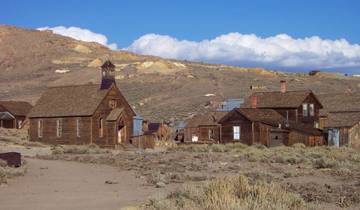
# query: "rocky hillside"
157,88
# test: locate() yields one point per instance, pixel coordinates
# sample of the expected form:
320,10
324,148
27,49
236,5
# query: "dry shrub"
3,163
229,194
299,146
78,149
165,144
10,172
324,162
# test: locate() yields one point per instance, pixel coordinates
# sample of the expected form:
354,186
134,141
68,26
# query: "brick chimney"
253,101
283,86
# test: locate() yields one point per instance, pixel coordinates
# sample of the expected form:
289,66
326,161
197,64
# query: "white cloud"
248,49
81,34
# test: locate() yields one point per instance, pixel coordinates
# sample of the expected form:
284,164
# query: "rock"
160,185
110,182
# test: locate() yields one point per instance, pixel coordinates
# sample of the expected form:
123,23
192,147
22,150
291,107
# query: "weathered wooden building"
337,103
343,128
13,113
298,106
267,127
203,128
83,114
159,131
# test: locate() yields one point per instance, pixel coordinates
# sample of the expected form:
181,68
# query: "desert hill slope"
31,60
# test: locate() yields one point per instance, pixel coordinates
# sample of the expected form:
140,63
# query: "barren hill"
31,60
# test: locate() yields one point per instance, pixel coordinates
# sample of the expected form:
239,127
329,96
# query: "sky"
276,34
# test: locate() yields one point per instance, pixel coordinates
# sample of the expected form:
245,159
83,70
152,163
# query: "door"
121,134
334,137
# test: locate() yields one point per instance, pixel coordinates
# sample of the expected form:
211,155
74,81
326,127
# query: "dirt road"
72,185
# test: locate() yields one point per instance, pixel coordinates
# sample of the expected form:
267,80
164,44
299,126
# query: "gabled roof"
19,108
277,99
114,114
208,119
6,116
272,118
75,100
267,116
338,102
342,119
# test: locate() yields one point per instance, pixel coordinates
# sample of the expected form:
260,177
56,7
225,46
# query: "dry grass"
341,160
18,137
228,194
78,149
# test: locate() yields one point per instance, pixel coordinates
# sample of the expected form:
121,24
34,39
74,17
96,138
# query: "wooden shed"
343,128
13,113
83,114
203,128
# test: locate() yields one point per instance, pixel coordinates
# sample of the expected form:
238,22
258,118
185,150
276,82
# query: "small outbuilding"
343,128
203,128
13,113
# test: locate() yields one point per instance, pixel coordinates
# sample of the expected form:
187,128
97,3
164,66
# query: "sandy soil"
72,185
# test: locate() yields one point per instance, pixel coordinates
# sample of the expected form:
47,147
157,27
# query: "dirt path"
72,185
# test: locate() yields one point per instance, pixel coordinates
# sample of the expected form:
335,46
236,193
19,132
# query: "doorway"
121,132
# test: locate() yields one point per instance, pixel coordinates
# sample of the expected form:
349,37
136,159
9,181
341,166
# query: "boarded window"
101,127
40,128
311,110
236,132
112,104
78,127
58,128
305,110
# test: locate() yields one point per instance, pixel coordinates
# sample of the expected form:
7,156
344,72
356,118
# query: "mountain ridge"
157,88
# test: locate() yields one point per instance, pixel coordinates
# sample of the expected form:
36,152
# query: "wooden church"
83,114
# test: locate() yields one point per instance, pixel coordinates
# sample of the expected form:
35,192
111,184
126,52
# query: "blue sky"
185,26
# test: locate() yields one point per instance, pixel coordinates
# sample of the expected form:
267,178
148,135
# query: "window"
305,110
40,128
59,127
19,123
316,124
112,103
311,110
101,127
211,134
236,132
194,138
78,127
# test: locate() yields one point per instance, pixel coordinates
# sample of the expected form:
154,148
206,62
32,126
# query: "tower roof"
108,64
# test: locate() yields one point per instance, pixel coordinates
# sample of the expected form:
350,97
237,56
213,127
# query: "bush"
324,163
10,172
299,146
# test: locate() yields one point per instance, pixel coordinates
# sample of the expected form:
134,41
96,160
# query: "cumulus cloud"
81,34
248,49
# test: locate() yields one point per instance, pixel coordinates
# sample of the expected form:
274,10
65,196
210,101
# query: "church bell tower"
107,75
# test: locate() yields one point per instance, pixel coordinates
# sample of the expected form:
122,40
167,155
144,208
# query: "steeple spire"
107,75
